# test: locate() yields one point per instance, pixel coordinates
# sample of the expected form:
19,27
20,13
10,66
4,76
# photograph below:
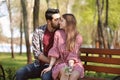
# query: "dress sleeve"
74,55
54,51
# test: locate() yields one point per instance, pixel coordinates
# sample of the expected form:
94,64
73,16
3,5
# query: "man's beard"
55,26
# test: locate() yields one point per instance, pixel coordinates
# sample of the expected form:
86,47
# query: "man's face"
55,21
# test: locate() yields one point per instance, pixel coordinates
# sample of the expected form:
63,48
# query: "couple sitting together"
56,50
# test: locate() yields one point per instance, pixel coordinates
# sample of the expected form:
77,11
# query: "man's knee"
20,74
47,76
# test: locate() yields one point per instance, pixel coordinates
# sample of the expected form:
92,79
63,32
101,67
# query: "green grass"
7,61
9,64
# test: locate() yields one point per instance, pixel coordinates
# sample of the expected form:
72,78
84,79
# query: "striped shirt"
42,41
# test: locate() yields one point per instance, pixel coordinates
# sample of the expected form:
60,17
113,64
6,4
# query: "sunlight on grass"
13,64
18,61
101,75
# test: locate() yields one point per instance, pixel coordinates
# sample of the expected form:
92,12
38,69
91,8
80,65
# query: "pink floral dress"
58,51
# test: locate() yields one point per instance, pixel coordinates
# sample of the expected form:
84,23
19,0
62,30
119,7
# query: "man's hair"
50,12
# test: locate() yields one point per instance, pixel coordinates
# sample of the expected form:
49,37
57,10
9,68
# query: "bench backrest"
91,58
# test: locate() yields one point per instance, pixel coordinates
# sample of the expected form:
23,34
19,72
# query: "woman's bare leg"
75,75
63,76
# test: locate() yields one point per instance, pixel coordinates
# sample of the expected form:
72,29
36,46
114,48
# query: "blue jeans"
31,71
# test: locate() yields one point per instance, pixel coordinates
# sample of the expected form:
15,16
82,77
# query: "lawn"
11,65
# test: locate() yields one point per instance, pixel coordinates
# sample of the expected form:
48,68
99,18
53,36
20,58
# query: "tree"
36,14
69,5
102,28
57,4
48,3
21,36
99,26
11,28
26,29
101,38
106,27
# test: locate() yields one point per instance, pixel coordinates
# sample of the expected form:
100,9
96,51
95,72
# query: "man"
42,41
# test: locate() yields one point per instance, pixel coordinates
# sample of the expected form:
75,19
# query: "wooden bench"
93,62
2,74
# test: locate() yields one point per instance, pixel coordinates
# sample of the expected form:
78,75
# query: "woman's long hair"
70,30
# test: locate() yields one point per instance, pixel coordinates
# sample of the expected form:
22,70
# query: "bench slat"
102,69
100,51
101,60
90,78
94,55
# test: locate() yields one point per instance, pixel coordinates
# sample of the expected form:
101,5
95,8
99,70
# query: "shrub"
10,72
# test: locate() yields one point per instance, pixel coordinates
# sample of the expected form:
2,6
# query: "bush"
10,72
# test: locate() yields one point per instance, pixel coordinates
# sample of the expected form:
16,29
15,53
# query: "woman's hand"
71,63
52,61
68,70
46,70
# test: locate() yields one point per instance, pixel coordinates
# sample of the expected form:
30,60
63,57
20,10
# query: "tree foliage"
86,14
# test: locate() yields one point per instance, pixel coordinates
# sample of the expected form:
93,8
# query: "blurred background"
98,22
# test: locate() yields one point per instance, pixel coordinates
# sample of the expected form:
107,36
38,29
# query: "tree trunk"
116,40
57,4
107,7
48,3
99,29
21,36
69,5
11,28
103,30
107,33
26,29
36,14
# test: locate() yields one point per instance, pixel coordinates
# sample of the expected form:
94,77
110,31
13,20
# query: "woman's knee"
75,75
62,71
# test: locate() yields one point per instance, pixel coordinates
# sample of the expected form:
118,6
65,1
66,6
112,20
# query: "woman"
65,51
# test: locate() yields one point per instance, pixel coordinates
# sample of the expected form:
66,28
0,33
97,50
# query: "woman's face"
62,23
